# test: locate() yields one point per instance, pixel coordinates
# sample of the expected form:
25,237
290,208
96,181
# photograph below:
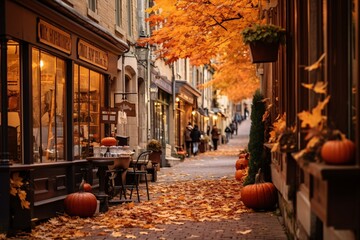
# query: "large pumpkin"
108,141
259,196
82,204
338,151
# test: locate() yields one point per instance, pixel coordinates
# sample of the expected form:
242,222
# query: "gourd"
87,187
259,196
238,175
82,204
241,163
339,151
108,141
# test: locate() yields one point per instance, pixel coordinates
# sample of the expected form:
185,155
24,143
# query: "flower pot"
263,52
155,157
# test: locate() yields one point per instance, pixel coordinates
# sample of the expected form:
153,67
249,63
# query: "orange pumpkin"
338,151
82,204
259,196
238,175
241,163
108,141
87,187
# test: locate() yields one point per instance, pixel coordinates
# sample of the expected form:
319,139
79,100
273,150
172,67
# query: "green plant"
265,33
256,140
154,145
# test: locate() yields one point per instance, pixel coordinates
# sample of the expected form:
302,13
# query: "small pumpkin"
82,204
238,175
241,163
338,151
87,187
259,196
108,141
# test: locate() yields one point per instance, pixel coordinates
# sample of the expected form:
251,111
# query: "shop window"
13,94
49,94
86,115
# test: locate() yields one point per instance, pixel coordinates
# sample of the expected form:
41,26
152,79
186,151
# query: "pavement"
213,165
216,165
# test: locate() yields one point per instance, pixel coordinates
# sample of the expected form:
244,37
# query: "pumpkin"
108,141
238,175
241,163
82,204
259,196
87,187
339,151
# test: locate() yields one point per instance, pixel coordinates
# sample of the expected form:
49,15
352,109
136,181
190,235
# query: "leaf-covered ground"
175,203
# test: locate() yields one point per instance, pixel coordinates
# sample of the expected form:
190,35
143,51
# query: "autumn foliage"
208,32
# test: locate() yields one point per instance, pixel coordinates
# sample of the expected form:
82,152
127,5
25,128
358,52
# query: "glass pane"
76,114
48,106
60,108
14,123
87,101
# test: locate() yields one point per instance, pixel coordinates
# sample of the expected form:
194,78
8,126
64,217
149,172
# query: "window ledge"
333,197
119,30
93,15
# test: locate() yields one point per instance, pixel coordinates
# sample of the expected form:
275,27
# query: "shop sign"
109,115
186,97
127,107
91,54
54,37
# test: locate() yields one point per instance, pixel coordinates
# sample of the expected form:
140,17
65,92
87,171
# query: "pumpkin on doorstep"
338,151
87,187
239,175
241,163
259,196
82,204
109,141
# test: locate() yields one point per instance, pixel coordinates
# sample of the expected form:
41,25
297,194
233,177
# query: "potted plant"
155,146
264,41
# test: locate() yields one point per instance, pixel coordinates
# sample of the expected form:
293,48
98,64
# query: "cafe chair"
137,172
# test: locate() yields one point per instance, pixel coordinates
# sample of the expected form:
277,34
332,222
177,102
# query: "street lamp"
153,91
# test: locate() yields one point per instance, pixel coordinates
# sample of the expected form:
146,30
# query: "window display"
48,73
86,115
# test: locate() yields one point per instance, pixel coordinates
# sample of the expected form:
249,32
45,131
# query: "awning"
203,112
186,92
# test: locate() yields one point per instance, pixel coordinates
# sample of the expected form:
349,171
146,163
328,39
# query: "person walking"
228,133
188,139
215,136
195,136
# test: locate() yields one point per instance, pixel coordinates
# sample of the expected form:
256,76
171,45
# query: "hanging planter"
264,41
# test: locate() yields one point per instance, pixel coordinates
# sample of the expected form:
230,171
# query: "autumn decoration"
259,196
338,151
264,41
282,138
82,204
87,187
239,175
324,143
108,141
17,189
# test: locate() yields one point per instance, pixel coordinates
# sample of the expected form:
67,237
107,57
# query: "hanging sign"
109,115
128,107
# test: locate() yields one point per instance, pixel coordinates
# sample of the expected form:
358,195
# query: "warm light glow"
193,112
41,63
177,99
215,117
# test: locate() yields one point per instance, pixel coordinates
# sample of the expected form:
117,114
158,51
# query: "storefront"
161,98
56,68
186,109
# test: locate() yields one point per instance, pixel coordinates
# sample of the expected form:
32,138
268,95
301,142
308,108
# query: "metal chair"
137,171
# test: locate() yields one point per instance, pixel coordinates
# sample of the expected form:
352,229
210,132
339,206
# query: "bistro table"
104,164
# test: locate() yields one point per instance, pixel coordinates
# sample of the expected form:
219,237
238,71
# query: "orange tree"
207,32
